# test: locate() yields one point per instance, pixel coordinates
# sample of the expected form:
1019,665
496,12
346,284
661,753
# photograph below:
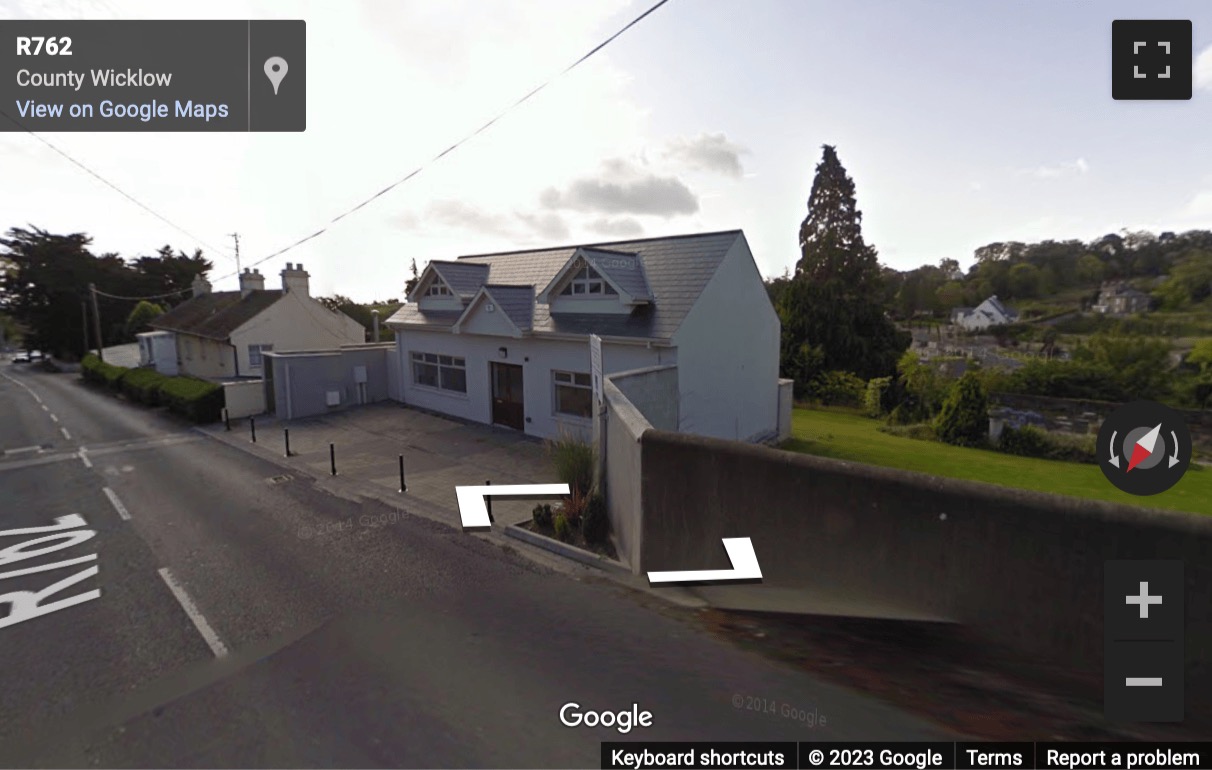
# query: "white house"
991,312
504,338
222,335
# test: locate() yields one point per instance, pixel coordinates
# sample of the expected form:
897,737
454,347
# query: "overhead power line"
113,186
136,299
460,142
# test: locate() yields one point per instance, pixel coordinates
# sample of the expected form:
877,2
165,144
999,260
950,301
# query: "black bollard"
252,427
488,502
332,457
286,437
403,486
226,420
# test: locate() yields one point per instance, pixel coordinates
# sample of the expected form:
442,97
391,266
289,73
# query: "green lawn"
847,436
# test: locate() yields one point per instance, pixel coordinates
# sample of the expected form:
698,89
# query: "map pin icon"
275,70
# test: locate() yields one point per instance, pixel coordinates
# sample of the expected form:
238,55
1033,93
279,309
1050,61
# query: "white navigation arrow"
740,553
471,499
1174,457
1114,454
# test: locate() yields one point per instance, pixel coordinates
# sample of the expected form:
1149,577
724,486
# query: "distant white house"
504,338
223,335
991,312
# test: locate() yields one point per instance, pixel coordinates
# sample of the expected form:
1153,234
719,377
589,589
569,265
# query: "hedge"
194,399
197,400
144,385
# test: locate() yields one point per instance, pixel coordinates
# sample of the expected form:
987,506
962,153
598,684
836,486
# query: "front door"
507,401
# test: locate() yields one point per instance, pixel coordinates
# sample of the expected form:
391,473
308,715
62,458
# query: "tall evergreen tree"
834,312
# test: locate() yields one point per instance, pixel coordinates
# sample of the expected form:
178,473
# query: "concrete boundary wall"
619,446
1024,569
244,399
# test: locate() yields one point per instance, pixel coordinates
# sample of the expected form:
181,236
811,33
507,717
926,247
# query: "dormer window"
437,289
587,282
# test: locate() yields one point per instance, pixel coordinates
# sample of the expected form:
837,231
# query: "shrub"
596,524
837,388
563,530
98,372
1030,441
874,394
964,418
574,507
574,461
143,385
542,516
196,400
922,431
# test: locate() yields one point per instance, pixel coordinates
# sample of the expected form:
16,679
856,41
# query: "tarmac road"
247,619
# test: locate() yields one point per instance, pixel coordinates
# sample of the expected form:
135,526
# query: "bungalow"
223,335
991,312
504,338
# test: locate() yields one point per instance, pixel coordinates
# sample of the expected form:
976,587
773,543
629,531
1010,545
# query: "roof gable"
513,308
676,270
463,279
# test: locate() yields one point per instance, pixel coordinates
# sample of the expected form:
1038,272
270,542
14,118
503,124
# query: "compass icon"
1144,448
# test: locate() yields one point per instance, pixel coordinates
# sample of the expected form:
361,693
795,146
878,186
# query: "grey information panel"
153,75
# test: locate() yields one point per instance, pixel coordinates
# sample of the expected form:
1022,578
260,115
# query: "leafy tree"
144,313
1024,281
1090,269
1139,366
169,272
964,417
950,295
1189,282
1201,355
832,312
412,282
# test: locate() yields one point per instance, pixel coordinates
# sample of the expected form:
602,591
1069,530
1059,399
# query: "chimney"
294,278
200,285
250,281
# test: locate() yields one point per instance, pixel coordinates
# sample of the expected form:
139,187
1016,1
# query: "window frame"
576,381
260,349
442,290
588,282
443,366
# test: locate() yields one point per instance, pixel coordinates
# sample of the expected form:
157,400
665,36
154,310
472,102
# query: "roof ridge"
575,246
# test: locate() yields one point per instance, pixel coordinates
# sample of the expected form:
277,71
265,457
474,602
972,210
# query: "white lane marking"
45,408
66,435
84,459
54,418
21,450
187,604
118,506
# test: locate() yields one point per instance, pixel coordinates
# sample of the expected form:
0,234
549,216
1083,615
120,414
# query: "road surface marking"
187,604
54,418
45,408
84,459
21,450
118,506
66,435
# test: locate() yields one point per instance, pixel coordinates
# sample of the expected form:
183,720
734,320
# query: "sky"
961,124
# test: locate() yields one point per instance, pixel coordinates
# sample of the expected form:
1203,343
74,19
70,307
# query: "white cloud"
1203,69
707,152
622,228
621,186
1069,168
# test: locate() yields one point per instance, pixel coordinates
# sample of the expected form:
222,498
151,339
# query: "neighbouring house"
1120,299
223,335
505,338
991,312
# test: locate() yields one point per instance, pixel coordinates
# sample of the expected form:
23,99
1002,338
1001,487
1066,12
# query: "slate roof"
516,302
216,315
677,269
622,267
997,305
463,279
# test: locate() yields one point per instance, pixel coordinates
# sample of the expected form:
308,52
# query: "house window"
431,370
438,289
587,281
573,394
254,354
189,349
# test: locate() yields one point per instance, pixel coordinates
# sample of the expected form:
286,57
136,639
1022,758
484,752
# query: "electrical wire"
136,299
115,187
459,143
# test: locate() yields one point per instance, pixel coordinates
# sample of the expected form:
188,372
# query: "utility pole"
236,238
84,324
92,289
